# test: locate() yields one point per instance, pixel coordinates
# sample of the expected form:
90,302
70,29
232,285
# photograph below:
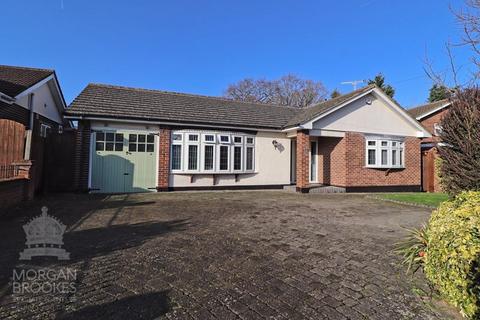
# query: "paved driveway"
225,255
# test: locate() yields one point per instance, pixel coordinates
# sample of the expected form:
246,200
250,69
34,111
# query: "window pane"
210,138
150,147
371,157
177,137
100,136
249,140
394,157
119,137
401,158
132,147
109,146
141,147
223,158
237,158
150,138
193,137
394,144
141,138
176,157
237,139
249,165
371,143
99,146
384,143
132,137
208,158
224,138
384,157
110,136
192,157
119,146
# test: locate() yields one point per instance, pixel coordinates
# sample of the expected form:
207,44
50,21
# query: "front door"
313,161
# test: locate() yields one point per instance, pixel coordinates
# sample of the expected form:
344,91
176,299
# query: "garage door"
124,161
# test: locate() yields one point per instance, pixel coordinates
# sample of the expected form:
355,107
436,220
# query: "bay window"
384,153
212,152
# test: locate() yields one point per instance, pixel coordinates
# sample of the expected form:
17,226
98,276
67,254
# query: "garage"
123,161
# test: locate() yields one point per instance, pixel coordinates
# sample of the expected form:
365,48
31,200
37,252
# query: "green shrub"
413,248
452,259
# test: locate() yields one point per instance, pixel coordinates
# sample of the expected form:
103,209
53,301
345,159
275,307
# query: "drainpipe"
28,141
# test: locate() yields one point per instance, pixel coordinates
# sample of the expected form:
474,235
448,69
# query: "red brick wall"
429,122
164,159
12,192
358,175
82,156
303,152
331,161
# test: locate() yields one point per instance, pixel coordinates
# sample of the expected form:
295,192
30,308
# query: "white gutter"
183,124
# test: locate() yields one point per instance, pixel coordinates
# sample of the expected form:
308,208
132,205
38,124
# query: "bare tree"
289,90
460,165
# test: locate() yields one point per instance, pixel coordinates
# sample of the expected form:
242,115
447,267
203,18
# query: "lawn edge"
401,202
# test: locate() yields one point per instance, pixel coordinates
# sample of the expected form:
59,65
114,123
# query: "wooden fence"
8,171
12,142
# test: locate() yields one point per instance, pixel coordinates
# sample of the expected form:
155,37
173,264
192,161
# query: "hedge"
452,259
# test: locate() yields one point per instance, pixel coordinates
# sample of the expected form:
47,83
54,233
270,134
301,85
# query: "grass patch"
423,198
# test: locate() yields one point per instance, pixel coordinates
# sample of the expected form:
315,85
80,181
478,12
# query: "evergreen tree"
335,93
379,80
439,92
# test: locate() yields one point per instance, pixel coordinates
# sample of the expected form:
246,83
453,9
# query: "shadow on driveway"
146,306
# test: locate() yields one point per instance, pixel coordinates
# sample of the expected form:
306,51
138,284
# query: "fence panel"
12,141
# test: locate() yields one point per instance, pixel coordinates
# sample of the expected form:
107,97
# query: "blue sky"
202,46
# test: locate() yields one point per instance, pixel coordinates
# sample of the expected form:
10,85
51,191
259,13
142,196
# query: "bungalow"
132,140
31,107
430,115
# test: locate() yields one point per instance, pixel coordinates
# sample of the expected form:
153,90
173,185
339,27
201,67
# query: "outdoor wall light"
275,143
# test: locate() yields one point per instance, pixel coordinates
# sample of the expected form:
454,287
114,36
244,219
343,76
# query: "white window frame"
182,153
44,130
217,143
247,146
187,151
437,129
229,149
379,147
203,145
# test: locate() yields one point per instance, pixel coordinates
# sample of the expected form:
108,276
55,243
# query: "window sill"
384,167
211,173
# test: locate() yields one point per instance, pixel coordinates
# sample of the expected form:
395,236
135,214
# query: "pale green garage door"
124,161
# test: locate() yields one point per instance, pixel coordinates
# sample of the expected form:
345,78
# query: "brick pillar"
25,172
164,160
303,152
82,156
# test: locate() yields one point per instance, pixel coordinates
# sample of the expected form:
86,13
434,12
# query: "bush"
413,248
452,259
460,168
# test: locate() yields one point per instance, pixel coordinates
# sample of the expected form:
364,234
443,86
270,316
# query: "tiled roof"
107,101
98,100
14,80
322,107
426,108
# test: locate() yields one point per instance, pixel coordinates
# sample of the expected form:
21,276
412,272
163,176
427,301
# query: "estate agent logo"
44,238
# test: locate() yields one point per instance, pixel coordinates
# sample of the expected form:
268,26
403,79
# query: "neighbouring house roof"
427,109
15,80
107,101
322,107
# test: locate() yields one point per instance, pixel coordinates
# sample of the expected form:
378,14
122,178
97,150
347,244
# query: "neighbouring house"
430,116
31,107
132,140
